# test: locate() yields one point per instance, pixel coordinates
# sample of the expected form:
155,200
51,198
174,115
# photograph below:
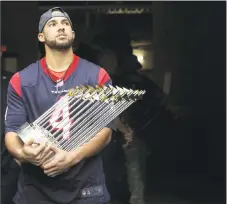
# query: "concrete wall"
188,43
168,49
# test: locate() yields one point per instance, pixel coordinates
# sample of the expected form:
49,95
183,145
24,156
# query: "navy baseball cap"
58,12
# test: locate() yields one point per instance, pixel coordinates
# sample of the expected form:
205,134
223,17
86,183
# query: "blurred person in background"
9,168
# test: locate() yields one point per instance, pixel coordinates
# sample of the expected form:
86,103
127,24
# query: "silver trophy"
79,115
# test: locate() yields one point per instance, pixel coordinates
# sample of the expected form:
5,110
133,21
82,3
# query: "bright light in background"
145,58
140,55
140,59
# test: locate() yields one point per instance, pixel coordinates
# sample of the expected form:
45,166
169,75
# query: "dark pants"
115,170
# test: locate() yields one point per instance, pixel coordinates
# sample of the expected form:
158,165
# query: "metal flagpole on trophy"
91,109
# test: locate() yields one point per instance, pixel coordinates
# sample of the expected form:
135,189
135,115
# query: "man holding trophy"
60,115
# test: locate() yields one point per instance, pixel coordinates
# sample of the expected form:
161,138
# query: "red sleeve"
15,115
103,77
15,83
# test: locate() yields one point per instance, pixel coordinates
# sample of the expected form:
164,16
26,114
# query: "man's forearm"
94,146
14,145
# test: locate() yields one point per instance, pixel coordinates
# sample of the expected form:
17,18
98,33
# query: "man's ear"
41,37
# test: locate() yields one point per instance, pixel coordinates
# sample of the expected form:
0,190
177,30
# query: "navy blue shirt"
30,93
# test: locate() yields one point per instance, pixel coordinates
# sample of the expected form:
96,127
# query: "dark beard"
59,46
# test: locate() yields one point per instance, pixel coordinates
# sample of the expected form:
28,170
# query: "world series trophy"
79,115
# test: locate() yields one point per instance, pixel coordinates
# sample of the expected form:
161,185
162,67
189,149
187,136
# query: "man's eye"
67,23
52,24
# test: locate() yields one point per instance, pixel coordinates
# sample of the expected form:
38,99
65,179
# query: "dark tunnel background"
186,148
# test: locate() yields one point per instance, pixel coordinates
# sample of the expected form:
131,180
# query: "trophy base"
38,134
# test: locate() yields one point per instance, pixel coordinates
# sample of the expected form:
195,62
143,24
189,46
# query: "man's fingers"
53,174
39,149
50,165
52,170
29,142
56,173
43,151
39,155
46,161
46,151
30,146
47,158
34,145
47,154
